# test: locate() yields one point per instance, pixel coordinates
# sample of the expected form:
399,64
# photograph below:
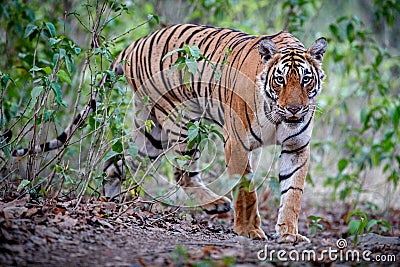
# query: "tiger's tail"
78,121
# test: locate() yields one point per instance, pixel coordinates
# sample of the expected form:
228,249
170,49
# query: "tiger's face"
291,80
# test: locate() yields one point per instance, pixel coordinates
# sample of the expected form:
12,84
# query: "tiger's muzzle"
294,114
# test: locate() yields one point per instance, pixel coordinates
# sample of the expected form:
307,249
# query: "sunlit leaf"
64,77
30,31
50,27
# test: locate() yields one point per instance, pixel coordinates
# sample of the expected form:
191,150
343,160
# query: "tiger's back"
150,75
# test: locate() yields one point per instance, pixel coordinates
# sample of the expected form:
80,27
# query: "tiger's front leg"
293,168
247,221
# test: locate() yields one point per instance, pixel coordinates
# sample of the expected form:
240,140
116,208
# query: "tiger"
265,95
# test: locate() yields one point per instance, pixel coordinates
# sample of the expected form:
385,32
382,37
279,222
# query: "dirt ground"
95,233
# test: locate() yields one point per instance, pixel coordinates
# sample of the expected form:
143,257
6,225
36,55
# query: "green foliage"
315,224
180,255
373,141
187,61
41,88
362,225
200,131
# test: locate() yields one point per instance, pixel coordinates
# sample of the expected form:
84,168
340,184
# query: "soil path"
107,234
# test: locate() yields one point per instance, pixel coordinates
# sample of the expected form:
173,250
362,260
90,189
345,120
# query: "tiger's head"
291,78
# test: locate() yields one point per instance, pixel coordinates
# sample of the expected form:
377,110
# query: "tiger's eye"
279,79
306,79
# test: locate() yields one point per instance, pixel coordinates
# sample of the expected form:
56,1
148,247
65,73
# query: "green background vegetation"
52,56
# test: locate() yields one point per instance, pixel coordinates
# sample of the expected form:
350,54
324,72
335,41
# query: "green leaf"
23,184
342,164
36,91
371,223
77,50
117,146
30,31
133,149
64,77
35,68
50,27
364,116
110,155
170,53
192,65
4,80
186,79
219,134
47,70
181,162
350,32
396,117
54,41
48,115
63,52
156,18
149,124
58,92
193,132
354,226
194,51
335,31
69,65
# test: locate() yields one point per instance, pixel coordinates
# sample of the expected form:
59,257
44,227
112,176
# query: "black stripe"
191,174
92,104
62,137
286,151
45,147
291,188
251,205
154,142
14,153
251,128
186,28
299,132
7,135
77,120
283,177
238,137
144,155
190,153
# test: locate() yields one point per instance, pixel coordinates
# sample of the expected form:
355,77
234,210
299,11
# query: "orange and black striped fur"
266,95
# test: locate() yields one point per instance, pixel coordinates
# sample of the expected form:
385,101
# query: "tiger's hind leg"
191,183
150,144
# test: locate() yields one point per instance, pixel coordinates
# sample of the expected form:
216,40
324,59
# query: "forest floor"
95,233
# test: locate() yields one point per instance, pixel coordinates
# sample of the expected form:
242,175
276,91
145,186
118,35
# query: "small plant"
362,225
180,255
315,224
188,62
199,131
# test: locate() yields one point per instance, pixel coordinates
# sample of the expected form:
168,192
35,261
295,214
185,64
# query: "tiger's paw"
293,238
255,233
284,234
220,205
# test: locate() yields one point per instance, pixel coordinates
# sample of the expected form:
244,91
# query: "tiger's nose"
293,109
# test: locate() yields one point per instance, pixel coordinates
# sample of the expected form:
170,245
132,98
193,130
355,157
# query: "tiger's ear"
318,48
267,49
